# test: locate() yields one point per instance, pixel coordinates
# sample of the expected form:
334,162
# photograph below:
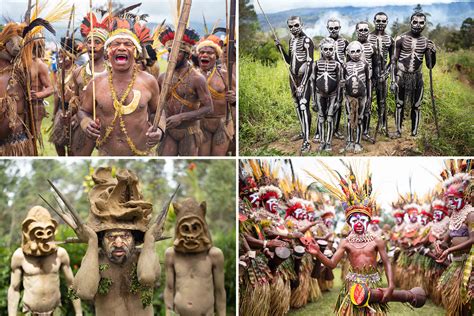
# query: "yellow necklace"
118,106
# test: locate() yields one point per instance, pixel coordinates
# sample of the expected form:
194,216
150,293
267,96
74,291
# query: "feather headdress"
190,38
457,176
354,192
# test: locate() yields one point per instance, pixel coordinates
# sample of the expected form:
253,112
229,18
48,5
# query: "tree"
248,26
467,33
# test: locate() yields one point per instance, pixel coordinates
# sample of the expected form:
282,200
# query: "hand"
387,294
36,95
437,248
313,249
93,129
393,87
173,121
277,42
296,234
153,233
431,46
230,96
272,244
299,91
443,256
85,233
153,136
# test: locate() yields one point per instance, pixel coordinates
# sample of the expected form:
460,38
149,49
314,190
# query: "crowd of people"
348,74
106,82
288,245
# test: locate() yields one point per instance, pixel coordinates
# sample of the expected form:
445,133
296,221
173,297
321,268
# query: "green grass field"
325,305
267,111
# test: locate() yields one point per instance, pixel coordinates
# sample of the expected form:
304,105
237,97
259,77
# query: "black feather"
121,12
39,22
219,29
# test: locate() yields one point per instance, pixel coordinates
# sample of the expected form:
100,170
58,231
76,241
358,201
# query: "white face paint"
424,220
295,26
328,50
418,24
299,214
362,32
254,199
329,222
399,220
359,223
380,22
438,215
334,27
272,205
413,217
454,203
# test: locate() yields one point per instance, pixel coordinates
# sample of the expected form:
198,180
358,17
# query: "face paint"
438,215
254,199
300,214
359,223
333,27
328,51
295,26
362,32
329,222
118,245
455,203
380,22
413,217
271,205
424,220
399,220
417,24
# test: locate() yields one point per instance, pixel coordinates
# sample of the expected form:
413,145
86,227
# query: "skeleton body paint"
407,78
334,27
358,88
300,58
383,44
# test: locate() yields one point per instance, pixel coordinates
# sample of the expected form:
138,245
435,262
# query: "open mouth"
121,58
205,61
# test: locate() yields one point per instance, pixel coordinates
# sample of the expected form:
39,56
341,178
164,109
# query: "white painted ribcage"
298,50
368,52
326,66
412,51
356,68
384,43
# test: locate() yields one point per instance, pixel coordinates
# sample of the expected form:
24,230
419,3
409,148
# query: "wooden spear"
183,20
230,52
92,59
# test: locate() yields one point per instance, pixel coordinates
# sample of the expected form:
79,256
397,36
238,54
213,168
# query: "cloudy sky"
157,9
270,6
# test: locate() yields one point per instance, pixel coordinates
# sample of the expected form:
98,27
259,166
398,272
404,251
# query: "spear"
92,59
230,53
279,48
183,20
63,72
435,114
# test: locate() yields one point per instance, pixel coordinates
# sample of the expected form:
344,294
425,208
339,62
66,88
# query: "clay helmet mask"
38,230
191,232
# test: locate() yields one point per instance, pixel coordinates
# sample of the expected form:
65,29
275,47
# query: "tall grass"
267,110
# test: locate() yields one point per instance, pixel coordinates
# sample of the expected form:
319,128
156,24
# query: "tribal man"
327,75
362,31
126,98
38,262
457,282
407,78
189,102
41,86
300,58
81,145
115,274
358,89
217,126
383,44
334,27
15,139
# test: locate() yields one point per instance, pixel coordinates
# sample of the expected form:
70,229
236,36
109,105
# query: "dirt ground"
385,146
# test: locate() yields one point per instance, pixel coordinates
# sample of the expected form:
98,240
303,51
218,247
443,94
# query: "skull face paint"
38,230
295,25
334,26
417,24
118,245
327,49
380,21
355,50
359,223
362,30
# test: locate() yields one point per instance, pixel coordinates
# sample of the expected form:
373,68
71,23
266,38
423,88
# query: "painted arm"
255,243
15,282
309,47
87,277
217,259
394,62
282,50
170,276
69,277
368,83
387,292
390,53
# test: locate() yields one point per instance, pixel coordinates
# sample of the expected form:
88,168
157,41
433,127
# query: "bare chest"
193,266
32,266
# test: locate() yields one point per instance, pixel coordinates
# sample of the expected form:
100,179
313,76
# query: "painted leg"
415,110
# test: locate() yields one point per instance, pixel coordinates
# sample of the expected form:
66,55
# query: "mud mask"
38,231
359,223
